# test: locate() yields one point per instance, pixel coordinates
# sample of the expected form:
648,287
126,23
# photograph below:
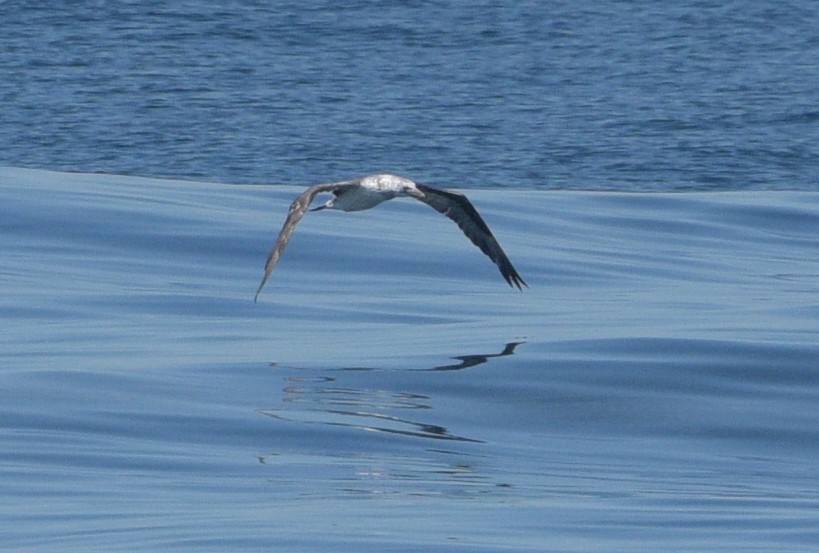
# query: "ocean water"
650,169
655,387
638,95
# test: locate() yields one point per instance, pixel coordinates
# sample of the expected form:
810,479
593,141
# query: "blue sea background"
651,168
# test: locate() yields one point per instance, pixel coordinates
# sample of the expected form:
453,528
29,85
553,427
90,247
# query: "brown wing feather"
457,207
297,210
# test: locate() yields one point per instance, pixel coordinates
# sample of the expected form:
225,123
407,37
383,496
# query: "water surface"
655,387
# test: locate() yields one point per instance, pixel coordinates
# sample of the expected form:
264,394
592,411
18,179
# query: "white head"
411,190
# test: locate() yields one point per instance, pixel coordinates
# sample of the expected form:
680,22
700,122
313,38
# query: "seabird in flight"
366,192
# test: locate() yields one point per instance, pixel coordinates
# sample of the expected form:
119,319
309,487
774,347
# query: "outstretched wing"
297,210
457,207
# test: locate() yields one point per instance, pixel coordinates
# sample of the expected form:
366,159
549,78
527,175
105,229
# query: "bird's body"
368,192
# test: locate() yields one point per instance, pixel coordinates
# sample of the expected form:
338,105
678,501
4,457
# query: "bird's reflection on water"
325,398
321,400
468,361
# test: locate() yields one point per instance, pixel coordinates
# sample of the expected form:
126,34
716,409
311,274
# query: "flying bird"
367,192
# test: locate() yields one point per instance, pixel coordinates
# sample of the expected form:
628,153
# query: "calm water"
656,387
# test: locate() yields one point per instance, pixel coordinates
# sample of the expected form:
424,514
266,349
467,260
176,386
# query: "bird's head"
410,189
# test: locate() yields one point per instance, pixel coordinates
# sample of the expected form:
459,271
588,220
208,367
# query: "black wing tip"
514,279
517,281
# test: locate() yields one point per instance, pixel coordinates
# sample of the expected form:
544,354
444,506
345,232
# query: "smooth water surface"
656,387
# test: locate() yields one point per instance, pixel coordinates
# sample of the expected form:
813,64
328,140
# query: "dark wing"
457,207
297,210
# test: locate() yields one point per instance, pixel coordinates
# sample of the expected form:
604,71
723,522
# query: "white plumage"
367,192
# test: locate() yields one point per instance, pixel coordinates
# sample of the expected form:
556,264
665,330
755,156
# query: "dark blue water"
655,389
582,95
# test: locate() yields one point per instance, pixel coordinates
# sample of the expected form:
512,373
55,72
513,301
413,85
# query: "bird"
369,191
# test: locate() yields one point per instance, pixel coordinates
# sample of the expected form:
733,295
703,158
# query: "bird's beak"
415,193
319,208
